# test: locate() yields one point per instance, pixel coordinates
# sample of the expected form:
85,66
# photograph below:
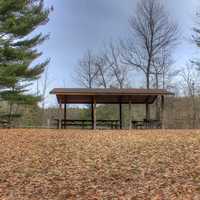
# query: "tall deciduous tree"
103,79
190,85
151,30
18,20
87,70
118,70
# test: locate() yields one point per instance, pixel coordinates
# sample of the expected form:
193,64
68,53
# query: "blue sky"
78,25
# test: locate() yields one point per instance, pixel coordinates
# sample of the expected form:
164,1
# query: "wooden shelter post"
120,115
60,116
65,114
94,113
162,111
130,114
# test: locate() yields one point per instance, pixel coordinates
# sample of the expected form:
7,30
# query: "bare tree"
152,31
87,70
103,78
190,86
161,64
163,74
189,77
161,68
118,70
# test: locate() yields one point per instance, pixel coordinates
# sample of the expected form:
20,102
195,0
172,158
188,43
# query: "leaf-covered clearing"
73,164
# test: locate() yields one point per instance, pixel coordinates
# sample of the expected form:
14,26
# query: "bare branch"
151,32
118,70
87,71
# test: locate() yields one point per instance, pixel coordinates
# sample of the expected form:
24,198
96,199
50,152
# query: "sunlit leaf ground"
72,164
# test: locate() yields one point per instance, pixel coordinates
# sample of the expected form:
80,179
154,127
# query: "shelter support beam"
60,116
94,119
65,114
120,115
92,115
130,115
162,111
157,108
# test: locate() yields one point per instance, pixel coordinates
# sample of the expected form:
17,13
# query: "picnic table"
84,124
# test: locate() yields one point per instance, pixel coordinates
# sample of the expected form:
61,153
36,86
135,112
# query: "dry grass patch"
72,164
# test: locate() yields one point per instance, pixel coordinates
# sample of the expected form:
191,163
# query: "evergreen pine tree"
18,20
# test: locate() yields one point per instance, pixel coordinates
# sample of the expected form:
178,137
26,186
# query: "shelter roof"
108,95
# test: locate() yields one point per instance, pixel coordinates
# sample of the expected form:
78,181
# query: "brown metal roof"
107,96
111,91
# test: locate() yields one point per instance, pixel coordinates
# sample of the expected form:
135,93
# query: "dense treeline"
180,112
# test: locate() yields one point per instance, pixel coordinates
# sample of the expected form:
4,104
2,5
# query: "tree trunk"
10,117
194,113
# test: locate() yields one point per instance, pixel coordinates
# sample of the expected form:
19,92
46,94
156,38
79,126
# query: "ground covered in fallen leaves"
73,164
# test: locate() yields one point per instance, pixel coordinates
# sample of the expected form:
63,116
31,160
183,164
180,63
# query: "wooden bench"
76,123
113,124
4,124
151,124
